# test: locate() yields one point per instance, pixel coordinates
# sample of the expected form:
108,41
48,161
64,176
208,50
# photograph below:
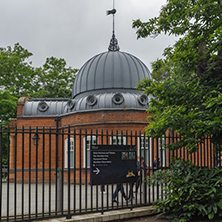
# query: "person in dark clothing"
139,178
119,188
102,189
145,166
156,164
139,172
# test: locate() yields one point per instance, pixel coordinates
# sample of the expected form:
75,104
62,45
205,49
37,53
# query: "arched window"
69,145
87,142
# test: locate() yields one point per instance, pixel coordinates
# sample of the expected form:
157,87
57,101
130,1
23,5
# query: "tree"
18,77
8,105
187,82
16,71
55,79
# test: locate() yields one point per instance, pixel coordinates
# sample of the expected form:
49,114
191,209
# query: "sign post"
112,164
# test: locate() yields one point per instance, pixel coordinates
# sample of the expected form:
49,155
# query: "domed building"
106,82
60,150
105,105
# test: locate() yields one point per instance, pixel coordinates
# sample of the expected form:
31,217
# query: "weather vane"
113,42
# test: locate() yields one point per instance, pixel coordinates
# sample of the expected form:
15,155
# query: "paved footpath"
140,214
150,218
137,214
84,197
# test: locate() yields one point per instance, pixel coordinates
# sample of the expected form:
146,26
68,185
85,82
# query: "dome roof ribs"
88,73
104,71
121,77
110,70
129,72
95,70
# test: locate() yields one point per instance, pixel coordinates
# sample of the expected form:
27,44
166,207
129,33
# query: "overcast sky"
76,30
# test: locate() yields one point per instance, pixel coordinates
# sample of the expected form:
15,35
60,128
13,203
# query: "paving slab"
115,215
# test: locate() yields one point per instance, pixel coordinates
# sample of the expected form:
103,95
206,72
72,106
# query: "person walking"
156,164
119,187
139,168
102,189
139,178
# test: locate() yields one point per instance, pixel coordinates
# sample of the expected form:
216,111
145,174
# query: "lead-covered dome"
108,81
110,70
105,82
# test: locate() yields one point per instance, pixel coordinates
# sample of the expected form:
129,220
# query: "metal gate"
45,172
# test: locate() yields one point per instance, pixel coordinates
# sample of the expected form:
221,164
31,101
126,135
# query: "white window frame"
72,147
118,140
147,147
162,151
87,146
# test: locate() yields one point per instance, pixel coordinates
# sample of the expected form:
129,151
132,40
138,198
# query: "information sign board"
111,164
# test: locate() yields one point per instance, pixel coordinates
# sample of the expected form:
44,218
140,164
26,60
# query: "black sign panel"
112,164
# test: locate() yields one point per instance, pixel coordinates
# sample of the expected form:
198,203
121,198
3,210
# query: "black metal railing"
45,171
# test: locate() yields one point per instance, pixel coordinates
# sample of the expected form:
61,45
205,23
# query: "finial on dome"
113,46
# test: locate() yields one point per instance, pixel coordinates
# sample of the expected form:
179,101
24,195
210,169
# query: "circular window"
71,104
91,100
143,100
43,106
118,98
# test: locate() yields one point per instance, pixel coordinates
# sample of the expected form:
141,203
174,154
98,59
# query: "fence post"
58,173
1,151
59,189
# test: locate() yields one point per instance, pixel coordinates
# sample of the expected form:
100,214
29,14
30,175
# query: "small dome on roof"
110,70
108,81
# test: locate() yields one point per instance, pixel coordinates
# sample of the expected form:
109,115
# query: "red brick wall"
111,122
108,116
116,121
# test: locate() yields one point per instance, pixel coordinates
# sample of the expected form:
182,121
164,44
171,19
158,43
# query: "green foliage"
18,77
189,191
187,84
4,137
16,71
8,106
193,109
54,79
179,17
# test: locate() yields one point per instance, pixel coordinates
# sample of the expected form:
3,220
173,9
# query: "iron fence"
45,172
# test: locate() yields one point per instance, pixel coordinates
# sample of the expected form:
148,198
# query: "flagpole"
113,17
113,42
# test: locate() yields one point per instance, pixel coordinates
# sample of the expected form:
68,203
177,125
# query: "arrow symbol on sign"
96,171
